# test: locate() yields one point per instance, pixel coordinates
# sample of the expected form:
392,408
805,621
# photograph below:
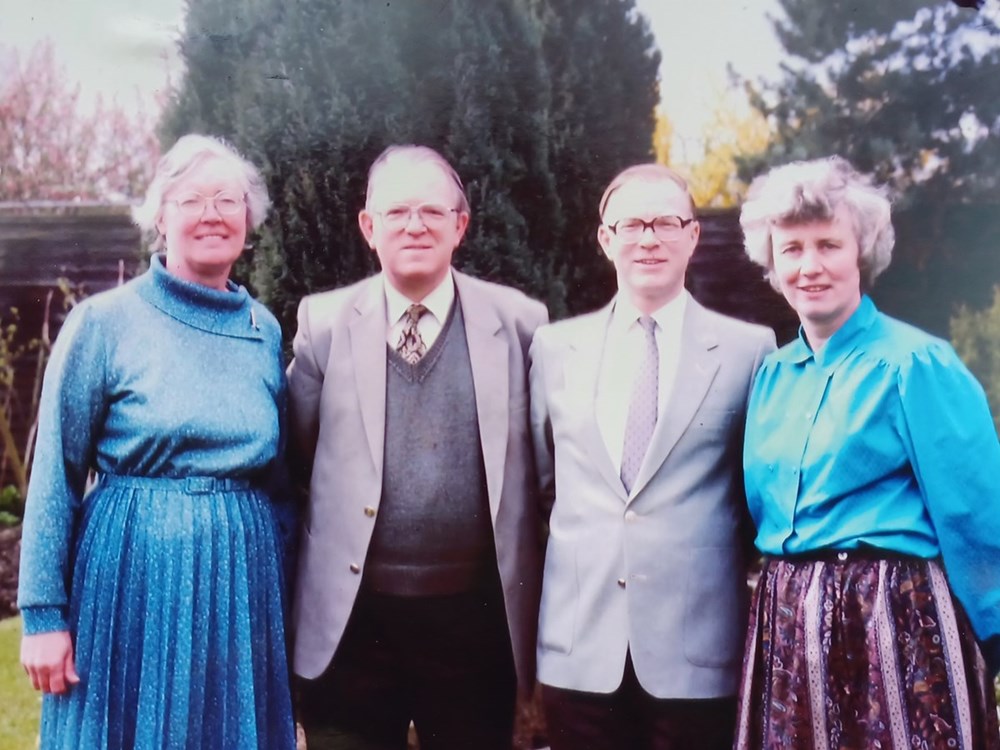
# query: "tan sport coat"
337,386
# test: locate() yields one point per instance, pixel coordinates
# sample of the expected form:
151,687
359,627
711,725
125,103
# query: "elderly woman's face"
204,222
816,265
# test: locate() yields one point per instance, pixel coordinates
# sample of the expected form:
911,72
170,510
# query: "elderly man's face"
650,266
414,224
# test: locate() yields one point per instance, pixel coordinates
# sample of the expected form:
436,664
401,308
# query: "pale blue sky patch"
126,49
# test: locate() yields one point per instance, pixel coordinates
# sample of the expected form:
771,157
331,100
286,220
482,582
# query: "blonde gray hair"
806,191
189,152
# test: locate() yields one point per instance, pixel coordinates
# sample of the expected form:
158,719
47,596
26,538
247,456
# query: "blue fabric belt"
191,485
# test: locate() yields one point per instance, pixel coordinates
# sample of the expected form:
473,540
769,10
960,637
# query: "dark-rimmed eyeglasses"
664,228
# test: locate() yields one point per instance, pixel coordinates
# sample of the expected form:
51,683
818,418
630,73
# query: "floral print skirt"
858,651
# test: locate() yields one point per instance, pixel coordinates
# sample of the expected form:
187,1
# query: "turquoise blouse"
883,439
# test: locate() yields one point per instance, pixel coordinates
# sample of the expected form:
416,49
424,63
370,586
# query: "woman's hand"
48,660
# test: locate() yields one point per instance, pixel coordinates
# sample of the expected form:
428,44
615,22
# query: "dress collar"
226,312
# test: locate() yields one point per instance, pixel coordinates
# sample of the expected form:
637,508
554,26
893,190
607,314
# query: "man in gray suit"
419,572
638,413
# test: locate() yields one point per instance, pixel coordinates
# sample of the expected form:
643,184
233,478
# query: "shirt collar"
669,317
438,302
840,344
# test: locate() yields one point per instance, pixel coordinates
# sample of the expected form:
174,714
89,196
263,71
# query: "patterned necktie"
411,347
642,407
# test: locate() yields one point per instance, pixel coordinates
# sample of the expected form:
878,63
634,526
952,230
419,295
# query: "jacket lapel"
488,354
696,370
368,352
582,370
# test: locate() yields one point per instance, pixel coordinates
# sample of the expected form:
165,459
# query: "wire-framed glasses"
431,215
226,203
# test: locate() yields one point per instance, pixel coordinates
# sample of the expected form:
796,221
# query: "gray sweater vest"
433,533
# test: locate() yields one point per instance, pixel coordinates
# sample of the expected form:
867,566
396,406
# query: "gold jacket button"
369,511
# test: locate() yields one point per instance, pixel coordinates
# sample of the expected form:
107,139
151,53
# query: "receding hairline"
650,173
415,154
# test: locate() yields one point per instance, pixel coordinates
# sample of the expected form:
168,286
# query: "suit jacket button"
621,582
369,511
355,568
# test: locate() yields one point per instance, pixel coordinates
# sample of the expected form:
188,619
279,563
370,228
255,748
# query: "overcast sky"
126,48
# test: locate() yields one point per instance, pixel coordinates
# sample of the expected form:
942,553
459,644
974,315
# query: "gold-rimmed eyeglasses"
225,203
431,215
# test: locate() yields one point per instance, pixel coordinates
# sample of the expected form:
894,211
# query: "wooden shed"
46,249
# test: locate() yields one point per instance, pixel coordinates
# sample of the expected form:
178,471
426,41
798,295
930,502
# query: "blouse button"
621,582
355,568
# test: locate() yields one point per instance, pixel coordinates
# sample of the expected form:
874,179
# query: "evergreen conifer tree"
907,91
313,90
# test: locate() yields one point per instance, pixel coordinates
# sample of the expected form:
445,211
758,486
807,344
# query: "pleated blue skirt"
176,610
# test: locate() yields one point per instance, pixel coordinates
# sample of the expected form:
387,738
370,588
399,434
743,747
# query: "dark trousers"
442,662
632,719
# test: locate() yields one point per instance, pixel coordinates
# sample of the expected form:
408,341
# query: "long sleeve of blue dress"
71,409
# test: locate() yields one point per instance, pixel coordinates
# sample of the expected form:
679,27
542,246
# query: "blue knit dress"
167,573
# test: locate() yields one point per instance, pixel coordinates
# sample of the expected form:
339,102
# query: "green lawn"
20,705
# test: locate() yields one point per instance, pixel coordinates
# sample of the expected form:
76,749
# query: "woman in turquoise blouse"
153,601
872,471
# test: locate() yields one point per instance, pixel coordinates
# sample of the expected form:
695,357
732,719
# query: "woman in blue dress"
153,601
871,467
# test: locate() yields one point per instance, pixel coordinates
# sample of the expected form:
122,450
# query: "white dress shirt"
624,350
438,304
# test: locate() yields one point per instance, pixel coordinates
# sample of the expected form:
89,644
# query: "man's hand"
48,660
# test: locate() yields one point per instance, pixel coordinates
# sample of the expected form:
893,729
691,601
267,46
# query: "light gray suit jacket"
337,386
661,573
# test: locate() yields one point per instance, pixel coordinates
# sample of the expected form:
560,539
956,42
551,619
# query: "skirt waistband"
860,554
195,485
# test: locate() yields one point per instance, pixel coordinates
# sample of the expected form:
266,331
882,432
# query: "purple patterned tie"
642,407
411,346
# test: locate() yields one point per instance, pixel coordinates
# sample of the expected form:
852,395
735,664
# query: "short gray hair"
806,191
415,154
190,151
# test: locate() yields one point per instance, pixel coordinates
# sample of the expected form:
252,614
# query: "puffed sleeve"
71,412
952,444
